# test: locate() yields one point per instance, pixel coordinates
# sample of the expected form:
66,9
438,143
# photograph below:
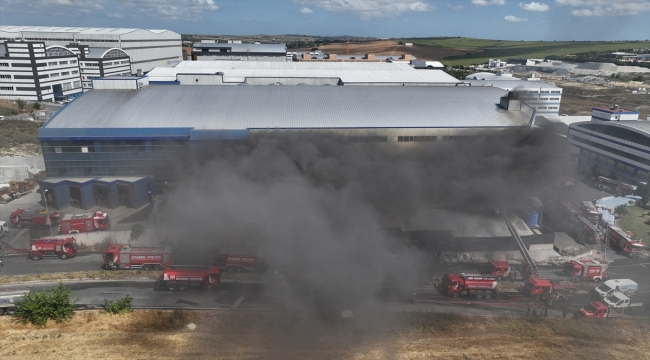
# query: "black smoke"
317,204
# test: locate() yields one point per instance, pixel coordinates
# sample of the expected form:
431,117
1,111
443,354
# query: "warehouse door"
102,195
75,196
124,195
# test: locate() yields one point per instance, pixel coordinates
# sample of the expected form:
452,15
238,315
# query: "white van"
626,286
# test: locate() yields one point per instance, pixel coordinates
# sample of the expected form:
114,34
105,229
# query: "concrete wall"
15,168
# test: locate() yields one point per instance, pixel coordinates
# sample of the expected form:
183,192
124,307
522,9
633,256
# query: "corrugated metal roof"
95,53
73,30
300,107
238,48
513,84
463,224
349,73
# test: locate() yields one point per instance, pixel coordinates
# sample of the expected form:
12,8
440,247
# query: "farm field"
474,51
388,47
579,99
262,335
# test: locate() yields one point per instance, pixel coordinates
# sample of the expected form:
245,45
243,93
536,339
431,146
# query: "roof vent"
615,107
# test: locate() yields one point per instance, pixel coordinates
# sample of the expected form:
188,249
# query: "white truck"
4,228
8,301
619,302
609,287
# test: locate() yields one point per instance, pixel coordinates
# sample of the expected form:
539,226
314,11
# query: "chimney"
138,72
406,56
510,102
615,107
331,56
306,56
370,56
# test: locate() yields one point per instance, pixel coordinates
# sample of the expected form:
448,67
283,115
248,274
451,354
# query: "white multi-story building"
36,72
100,62
544,97
147,48
614,144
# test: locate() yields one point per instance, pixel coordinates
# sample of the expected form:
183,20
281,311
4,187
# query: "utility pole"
47,220
158,231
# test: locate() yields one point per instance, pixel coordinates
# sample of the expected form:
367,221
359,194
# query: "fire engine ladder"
591,226
522,247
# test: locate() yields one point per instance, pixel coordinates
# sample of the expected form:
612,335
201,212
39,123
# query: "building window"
65,73
76,84
6,87
63,62
73,61
5,76
54,74
52,63
555,92
75,72
416,138
4,64
365,139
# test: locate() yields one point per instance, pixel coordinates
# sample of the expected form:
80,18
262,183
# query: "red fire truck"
479,286
88,222
181,278
586,270
550,292
32,218
625,242
138,257
240,260
596,310
499,269
61,248
590,212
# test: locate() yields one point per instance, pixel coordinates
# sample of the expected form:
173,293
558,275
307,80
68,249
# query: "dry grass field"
388,47
256,335
579,99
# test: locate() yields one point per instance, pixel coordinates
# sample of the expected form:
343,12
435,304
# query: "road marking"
237,302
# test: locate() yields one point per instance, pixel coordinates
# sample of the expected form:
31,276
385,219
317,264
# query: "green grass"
17,132
498,49
7,111
634,221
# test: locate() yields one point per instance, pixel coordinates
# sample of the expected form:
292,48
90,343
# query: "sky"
489,19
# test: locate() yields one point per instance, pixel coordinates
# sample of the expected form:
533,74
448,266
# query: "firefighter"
544,312
564,313
528,311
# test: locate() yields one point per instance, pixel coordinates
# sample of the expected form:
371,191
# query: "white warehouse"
147,48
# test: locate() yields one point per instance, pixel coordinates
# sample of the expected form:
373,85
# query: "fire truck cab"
499,269
586,270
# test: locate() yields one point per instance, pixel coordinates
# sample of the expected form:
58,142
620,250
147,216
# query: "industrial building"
36,72
478,234
100,62
211,51
297,73
544,97
147,48
614,143
127,128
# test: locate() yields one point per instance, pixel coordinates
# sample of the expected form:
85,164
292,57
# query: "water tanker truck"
22,218
137,257
549,292
181,278
476,285
240,260
586,270
52,248
88,222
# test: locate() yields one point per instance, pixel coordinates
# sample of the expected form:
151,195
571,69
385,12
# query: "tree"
645,195
118,307
621,210
38,307
36,106
137,230
21,104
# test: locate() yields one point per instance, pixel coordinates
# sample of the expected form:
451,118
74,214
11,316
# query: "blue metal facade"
141,192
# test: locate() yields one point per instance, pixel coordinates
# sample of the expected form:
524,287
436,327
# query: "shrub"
36,106
118,307
38,307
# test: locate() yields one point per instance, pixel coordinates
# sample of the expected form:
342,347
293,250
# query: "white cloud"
306,10
367,9
170,10
488,2
606,7
454,7
534,6
514,19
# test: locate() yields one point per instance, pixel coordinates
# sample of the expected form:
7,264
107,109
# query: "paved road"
19,238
